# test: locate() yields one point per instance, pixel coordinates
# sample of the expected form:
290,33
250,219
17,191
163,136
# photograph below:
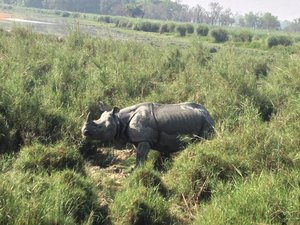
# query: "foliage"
265,21
140,202
39,158
279,40
181,29
246,174
243,36
190,28
202,30
252,198
147,26
220,35
42,187
164,28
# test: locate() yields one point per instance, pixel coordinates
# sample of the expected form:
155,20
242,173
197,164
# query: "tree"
198,14
226,18
215,12
294,26
270,22
135,9
242,22
251,20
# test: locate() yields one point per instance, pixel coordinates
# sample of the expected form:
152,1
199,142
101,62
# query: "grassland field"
51,75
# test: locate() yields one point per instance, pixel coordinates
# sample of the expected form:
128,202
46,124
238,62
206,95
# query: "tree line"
163,10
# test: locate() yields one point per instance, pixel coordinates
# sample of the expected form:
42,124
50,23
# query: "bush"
275,205
279,40
220,35
139,205
202,30
39,158
62,198
190,28
171,27
181,29
65,14
261,69
243,36
147,26
123,23
105,19
154,27
164,28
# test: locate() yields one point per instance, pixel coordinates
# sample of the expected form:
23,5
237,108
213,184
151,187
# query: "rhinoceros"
151,126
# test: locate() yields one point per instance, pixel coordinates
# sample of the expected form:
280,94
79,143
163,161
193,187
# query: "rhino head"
103,129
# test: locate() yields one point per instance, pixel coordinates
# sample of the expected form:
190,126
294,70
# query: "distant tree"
294,26
33,3
226,18
241,22
215,12
251,20
112,7
135,10
199,14
270,22
91,6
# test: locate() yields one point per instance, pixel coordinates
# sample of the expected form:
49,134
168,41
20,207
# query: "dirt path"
4,15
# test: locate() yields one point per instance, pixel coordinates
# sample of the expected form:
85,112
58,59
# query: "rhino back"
186,118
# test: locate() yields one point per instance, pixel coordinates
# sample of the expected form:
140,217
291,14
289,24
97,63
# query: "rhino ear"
102,107
115,110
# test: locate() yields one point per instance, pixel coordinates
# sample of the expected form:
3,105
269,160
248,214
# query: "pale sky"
283,9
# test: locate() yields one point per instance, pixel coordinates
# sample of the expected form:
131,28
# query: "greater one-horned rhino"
151,126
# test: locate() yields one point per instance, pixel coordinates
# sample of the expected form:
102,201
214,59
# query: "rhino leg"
143,149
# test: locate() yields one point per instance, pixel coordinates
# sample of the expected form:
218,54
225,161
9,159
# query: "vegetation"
279,40
247,174
220,35
202,30
215,15
181,29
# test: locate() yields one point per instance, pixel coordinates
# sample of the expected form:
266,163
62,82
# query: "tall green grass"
246,174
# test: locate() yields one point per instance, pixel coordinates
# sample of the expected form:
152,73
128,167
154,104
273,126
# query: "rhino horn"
89,117
115,110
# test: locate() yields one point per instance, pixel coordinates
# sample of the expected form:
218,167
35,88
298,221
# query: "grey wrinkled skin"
151,126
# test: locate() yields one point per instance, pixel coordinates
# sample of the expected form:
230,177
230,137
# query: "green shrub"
181,29
65,14
154,27
75,15
220,35
257,200
243,36
190,28
261,69
171,27
140,205
279,40
39,158
197,170
105,19
164,28
122,23
147,26
202,30
62,198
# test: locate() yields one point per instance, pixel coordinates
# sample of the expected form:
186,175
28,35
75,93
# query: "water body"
27,21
